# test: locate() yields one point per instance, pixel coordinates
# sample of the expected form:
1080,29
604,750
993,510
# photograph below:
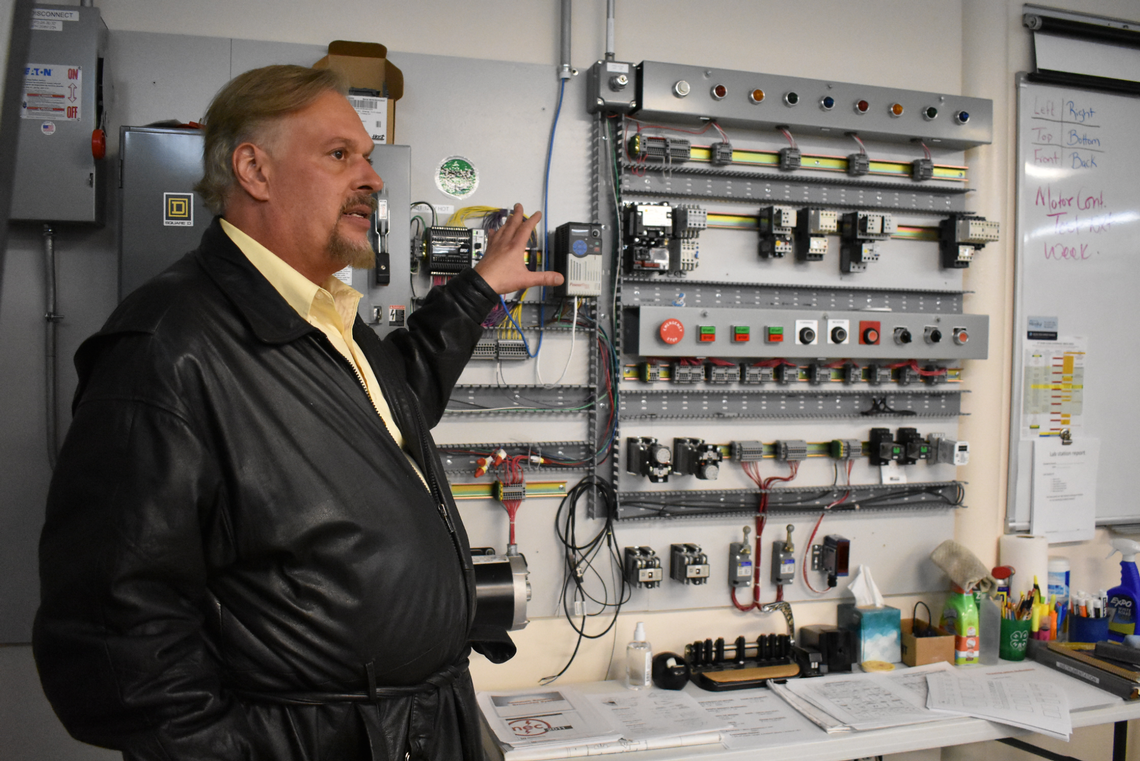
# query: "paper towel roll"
1029,556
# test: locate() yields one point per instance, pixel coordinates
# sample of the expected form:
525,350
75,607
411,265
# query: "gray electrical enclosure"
161,216
57,176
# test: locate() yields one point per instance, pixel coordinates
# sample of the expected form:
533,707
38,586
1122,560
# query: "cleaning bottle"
960,615
989,628
1122,600
639,660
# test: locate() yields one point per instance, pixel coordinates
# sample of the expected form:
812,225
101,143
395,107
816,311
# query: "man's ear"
251,170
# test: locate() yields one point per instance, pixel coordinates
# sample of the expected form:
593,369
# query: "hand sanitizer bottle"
639,660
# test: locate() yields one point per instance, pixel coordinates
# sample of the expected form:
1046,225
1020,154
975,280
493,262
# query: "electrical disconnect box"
59,163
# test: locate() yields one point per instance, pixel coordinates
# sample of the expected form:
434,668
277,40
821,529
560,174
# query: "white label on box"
43,25
52,91
344,275
373,113
54,14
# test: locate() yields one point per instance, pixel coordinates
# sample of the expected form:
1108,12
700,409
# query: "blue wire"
522,335
545,221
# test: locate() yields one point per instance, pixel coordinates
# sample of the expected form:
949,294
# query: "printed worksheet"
654,714
864,701
758,719
547,716
1040,706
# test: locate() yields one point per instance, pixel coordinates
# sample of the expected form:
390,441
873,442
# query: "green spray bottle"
1123,600
960,615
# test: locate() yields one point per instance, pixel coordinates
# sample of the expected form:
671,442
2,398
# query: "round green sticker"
457,177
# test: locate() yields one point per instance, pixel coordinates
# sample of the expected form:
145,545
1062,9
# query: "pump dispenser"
1122,600
639,660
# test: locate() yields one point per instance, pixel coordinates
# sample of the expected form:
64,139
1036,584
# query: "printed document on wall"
1054,387
1063,506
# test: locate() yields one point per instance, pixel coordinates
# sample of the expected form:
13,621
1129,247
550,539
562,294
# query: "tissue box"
876,631
919,651
366,66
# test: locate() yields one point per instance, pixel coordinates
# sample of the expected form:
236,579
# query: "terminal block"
786,374
858,164
818,373
812,228
884,448
852,373
681,373
646,457
934,375
960,237
860,233
688,564
791,450
908,376
845,449
747,451
753,375
510,349
776,223
914,447
877,375
720,154
648,229
659,148
790,158
484,349
693,457
649,372
643,567
921,170
448,250
508,492
722,373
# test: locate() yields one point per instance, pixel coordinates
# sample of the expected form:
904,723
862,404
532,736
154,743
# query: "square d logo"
178,209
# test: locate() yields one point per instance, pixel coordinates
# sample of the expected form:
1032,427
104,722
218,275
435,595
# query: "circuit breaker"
59,159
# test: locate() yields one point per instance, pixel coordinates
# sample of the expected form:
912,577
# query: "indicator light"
930,113
775,335
671,331
719,91
681,88
827,102
756,96
896,110
962,117
862,107
792,98
706,333
961,336
741,333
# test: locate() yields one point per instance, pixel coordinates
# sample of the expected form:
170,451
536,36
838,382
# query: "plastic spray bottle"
989,628
960,615
639,660
1123,600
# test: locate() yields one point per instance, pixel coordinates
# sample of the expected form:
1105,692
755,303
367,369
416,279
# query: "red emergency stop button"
671,331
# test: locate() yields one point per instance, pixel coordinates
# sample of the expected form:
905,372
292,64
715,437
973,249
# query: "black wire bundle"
579,560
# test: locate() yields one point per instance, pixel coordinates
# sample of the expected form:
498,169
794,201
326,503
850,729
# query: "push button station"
775,334
706,334
741,333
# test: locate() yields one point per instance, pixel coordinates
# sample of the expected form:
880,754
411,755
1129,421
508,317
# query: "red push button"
671,331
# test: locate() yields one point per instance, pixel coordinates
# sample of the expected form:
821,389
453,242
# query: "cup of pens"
1088,628
1014,639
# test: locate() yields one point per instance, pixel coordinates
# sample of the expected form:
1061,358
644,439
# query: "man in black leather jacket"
240,558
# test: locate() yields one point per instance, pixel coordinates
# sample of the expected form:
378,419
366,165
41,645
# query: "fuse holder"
671,331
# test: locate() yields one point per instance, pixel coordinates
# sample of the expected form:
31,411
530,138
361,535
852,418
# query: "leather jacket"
237,560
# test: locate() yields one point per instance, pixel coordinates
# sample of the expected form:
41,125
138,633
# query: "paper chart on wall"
1053,387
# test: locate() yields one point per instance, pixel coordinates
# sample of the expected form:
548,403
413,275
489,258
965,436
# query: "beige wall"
968,46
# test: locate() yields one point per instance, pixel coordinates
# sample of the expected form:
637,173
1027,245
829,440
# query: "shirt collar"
295,288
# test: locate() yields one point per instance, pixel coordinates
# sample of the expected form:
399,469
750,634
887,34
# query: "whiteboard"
1078,251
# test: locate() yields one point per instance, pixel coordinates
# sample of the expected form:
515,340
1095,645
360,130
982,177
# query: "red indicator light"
862,106
671,331
719,91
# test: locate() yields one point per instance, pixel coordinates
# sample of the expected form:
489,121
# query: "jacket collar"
266,312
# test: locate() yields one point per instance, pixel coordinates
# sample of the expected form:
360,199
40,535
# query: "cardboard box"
876,631
919,651
366,66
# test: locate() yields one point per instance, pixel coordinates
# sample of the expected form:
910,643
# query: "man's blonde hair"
245,110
